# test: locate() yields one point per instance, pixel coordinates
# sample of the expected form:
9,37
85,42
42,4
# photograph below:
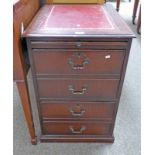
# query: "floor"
127,129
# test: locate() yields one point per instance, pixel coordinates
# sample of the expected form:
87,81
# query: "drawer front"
62,110
80,45
74,89
49,61
76,128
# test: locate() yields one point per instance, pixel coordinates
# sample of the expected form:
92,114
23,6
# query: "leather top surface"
77,20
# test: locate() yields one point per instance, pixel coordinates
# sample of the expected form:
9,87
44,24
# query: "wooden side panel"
24,95
22,13
75,1
18,66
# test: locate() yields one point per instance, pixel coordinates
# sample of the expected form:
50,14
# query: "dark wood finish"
136,4
77,138
82,61
79,45
76,128
118,4
23,12
81,105
74,89
139,21
135,11
73,110
121,81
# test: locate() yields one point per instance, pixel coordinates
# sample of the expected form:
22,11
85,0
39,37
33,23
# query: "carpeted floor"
127,129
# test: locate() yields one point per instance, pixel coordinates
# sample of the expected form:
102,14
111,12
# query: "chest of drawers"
78,73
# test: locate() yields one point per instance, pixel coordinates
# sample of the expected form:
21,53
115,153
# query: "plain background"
148,77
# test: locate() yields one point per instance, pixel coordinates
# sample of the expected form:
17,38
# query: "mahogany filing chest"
78,55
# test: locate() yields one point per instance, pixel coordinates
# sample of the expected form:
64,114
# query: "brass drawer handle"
76,57
77,92
83,128
78,67
81,113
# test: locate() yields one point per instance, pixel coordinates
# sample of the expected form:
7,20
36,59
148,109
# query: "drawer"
58,61
80,45
71,110
75,89
76,128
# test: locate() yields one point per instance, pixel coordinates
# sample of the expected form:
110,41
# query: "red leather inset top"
77,20
77,17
